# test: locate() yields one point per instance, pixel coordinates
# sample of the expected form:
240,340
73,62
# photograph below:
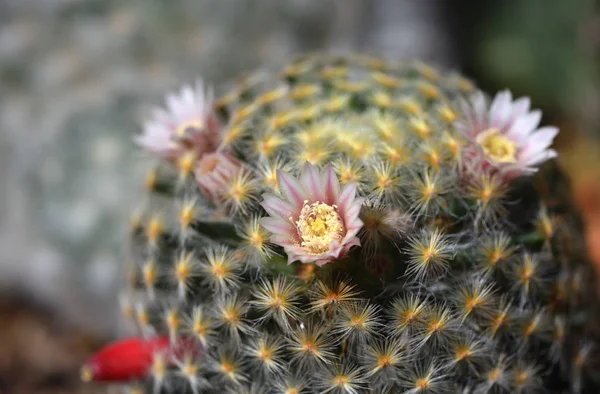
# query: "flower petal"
519,108
543,137
278,226
354,241
538,142
275,206
540,157
331,184
291,189
311,180
524,126
346,198
500,109
187,105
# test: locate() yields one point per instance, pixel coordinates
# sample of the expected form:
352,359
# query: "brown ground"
39,353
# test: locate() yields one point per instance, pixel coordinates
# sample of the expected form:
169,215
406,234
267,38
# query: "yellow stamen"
319,225
193,126
497,147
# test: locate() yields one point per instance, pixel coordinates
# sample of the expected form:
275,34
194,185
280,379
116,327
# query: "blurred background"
77,77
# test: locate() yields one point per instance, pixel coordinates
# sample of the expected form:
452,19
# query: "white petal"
173,105
540,157
278,226
539,141
500,109
543,136
520,107
346,198
276,207
311,180
524,126
331,185
291,188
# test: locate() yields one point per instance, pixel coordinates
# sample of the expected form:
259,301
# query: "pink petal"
161,116
327,257
187,97
295,253
354,226
500,109
353,229
524,125
332,185
346,198
355,241
543,137
276,207
353,211
286,242
520,107
278,226
540,157
174,105
307,258
311,180
539,141
291,257
291,188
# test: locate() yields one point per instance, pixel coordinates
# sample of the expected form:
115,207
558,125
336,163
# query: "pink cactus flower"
505,135
213,173
315,221
188,123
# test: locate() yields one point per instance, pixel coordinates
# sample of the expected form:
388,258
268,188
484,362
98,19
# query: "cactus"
353,225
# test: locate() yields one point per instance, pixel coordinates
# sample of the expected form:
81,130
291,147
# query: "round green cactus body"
352,225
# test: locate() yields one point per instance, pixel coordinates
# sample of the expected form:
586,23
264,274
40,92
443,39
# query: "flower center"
497,147
185,129
319,225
